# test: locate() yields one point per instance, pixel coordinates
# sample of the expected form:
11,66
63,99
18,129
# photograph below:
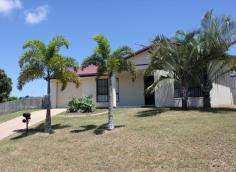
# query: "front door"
149,97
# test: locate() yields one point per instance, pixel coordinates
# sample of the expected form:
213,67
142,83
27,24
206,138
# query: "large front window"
103,91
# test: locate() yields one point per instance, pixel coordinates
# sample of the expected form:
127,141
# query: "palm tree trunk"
207,86
110,107
47,126
185,99
206,100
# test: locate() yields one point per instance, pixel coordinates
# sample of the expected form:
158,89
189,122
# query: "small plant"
83,104
73,104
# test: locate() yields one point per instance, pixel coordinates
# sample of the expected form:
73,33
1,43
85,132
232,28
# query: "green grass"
143,140
6,117
79,114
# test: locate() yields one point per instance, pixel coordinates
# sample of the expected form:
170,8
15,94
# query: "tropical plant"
5,86
86,104
217,35
174,58
82,104
73,104
109,63
44,61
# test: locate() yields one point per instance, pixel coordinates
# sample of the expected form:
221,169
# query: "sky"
123,22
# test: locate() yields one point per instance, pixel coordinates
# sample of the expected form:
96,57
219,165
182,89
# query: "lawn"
6,117
144,140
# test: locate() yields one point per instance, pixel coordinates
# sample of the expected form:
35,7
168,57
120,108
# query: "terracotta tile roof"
88,71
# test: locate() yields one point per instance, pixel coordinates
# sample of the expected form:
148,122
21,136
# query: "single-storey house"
128,92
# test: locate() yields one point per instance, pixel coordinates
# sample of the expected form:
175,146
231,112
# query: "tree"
5,86
109,63
176,57
44,61
217,34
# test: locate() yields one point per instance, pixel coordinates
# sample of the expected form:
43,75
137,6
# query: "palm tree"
109,63
175,56
44,61
216,36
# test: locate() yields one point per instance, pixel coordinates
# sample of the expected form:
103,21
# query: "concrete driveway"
7,128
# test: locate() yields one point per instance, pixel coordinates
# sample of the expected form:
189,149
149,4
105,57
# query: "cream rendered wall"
165,93
223,91
131,93
63,97
142,58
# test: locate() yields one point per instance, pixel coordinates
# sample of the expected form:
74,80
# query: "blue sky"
124,22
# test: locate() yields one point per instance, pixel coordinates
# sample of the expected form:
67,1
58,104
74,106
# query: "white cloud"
7,6
37,15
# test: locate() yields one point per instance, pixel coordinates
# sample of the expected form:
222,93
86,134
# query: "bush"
83,104
73,104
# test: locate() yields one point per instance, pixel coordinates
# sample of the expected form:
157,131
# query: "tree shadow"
219,110
158,111
37,129
85,128
152,112
97,129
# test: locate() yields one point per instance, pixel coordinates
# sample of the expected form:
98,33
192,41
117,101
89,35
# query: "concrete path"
7,128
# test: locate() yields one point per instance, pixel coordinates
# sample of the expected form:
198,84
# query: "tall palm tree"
44,61
217,34
109,63
175,56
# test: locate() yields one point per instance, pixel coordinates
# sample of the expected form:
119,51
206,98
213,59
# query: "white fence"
21,104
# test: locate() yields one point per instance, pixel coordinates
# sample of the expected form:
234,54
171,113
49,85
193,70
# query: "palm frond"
161,82
122,52
103,49
101,70
29,73
30,56
35,45
127,66
94,59
66,76
55,44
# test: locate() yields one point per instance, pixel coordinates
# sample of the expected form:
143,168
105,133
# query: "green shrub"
73,104
83,104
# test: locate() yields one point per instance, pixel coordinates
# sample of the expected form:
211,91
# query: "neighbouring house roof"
92,70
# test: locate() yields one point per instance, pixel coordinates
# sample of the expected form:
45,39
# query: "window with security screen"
103,91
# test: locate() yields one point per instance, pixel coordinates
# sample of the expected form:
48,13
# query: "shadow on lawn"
219,110
38,129
151,112
212,110
158,111
98,130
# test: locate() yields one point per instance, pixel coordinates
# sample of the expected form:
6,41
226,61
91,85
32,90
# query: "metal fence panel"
21,104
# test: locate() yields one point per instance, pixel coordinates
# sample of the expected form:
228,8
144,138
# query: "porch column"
113,83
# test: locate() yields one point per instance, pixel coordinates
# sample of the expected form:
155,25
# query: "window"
102,90
193,91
